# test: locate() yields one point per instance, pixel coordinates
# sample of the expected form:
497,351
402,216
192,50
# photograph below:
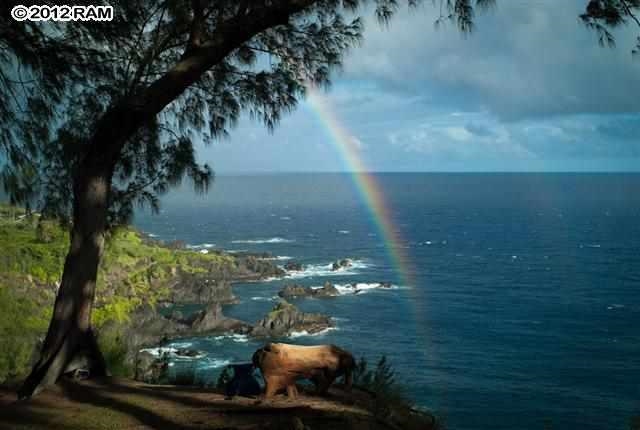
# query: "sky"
529,90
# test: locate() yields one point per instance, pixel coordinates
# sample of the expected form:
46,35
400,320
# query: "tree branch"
196,35
629,12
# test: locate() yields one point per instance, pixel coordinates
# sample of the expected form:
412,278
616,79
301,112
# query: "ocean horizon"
523,303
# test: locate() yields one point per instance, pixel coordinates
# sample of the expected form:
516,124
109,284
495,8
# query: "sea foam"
201,246
363,287
304,333
327,270
239,338
260,241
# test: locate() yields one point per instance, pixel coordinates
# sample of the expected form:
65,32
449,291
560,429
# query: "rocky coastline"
141,282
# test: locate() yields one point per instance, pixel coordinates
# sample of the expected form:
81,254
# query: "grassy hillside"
134,270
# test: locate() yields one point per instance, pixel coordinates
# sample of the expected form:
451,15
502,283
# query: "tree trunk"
70,331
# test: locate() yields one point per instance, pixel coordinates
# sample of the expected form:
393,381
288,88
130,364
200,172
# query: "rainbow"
348,146
366,185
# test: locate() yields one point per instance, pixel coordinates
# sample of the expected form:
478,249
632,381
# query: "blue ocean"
524,311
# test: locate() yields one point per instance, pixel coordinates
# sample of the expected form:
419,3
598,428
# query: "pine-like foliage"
387,393
58,80
603,15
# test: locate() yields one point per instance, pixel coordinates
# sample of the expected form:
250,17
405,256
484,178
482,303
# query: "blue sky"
529,90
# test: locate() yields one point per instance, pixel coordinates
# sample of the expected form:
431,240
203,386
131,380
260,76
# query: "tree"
102,116
603,15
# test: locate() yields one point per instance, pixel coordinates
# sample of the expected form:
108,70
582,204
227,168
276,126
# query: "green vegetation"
282,307
380,382
22,322
134,270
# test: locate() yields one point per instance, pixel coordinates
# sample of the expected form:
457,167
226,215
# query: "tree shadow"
99,397
160,407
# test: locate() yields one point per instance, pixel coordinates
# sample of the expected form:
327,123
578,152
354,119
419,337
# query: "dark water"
525,311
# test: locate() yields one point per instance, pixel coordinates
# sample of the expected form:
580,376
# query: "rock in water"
327,290
341,264
285,319
297,291
212,320
148,327
293,266
294,291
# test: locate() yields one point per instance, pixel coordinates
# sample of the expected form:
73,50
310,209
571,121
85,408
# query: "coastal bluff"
139,278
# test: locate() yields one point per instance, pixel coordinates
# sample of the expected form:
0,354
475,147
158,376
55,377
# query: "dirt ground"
124,404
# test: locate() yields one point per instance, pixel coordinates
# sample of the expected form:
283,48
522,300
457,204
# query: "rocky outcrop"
294,291
148,327
293,266
285,319
341,264
256,266
211,320
201,289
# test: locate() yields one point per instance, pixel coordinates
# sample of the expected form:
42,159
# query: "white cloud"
523,61
450,138
461,134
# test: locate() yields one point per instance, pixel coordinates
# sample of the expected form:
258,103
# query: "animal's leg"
292,390
324,378
273,385
348,380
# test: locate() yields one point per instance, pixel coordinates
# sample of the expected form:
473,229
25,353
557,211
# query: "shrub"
225,377
47,231
114,351
380,381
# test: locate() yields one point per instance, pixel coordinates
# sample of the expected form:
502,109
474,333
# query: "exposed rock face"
341,264
294,291
256,267
285,318
298,291
293,266
147,327
327,290
212,320
201,289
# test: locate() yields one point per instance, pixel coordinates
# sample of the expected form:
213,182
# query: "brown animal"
282,365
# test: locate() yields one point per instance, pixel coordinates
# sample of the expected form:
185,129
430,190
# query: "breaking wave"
239,338
263,299
171,352
277,258
260,241
363,287
304,333
201,246
327,270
